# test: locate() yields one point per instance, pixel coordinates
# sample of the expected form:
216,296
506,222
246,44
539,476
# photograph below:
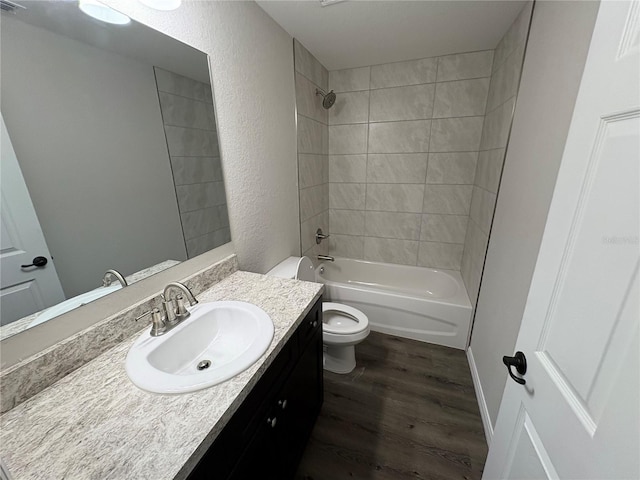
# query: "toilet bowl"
343,326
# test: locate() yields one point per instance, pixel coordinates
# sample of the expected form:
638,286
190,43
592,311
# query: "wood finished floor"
408,411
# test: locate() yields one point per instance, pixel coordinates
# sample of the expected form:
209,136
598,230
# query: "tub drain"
203,365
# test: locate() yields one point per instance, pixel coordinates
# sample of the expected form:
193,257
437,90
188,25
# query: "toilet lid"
343,319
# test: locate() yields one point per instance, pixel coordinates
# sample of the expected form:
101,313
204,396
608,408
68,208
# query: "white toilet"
342,326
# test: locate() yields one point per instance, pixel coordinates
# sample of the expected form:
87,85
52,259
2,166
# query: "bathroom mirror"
110,158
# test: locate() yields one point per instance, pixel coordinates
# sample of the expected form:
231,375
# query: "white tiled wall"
190,129
505,77
313,149
403,146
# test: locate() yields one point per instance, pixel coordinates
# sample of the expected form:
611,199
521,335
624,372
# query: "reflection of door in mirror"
25,290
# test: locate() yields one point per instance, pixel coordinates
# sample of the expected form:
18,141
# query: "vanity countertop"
94,423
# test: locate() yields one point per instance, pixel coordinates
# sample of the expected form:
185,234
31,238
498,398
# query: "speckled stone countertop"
95,424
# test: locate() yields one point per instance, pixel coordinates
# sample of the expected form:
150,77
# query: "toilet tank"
300,268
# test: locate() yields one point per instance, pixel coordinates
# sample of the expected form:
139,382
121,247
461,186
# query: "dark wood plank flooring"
408,411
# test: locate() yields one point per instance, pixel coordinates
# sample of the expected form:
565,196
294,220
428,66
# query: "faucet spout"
107,278
326,258
183,288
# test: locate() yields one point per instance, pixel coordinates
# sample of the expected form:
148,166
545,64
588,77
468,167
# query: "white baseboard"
482,404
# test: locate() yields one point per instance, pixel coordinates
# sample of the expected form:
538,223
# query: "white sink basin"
72,303
230,336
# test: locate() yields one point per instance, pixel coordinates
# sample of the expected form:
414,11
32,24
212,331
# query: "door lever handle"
37,262
520,362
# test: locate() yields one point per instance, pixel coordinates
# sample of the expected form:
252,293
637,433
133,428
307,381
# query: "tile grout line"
390,87
406,120
186,97
400,239
436,57
484,122
402,212
366,171
426,175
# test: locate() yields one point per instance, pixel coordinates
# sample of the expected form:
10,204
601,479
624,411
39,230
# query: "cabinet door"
303,397
261,458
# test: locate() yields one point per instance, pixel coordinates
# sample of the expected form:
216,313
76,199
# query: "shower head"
328,99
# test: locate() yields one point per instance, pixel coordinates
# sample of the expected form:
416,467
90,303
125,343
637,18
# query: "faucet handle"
181,310
320,236
169,307
159,327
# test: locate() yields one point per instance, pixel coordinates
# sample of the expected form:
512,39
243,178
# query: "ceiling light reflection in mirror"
101,12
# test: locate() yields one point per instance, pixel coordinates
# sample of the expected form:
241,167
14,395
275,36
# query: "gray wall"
313,149
555,58
403,145
190,126
104,201
505,77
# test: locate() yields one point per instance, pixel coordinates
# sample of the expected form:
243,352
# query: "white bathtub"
411,302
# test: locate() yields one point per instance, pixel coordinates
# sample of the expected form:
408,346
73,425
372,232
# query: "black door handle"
37,262
520,362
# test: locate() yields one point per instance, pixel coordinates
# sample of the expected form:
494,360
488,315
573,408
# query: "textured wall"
403,145
505,77
556,54
253,83
313,146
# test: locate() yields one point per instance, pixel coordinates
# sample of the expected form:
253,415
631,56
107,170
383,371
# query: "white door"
577,416
23,291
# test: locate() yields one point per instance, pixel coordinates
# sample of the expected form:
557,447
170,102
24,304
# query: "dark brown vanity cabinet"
267,435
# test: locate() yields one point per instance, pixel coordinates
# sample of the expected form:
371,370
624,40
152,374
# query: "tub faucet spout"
326,258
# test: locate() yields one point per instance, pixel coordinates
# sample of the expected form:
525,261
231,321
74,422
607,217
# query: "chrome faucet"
107,278
173,310
326,258
176,311
320,236
182,287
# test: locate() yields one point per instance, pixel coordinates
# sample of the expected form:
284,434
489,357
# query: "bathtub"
412,302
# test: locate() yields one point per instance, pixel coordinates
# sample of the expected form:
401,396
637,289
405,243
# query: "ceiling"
358,33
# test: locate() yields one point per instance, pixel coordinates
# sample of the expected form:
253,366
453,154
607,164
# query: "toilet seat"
339,319
343,326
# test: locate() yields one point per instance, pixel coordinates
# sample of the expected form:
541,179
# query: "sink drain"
204,364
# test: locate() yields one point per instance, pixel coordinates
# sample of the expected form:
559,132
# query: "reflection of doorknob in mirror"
37,262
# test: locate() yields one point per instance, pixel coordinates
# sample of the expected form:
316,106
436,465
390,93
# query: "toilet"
342,326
